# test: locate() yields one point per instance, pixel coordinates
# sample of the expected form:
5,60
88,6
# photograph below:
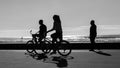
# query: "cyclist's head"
92,22
56,18
40,22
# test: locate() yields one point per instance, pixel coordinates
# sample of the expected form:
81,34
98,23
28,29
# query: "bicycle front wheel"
46,47
64,48
30,48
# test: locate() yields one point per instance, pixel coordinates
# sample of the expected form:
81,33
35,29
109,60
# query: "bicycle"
62,47
32,44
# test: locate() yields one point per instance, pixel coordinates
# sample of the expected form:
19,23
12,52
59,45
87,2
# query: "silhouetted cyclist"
58,32
93,34
41,33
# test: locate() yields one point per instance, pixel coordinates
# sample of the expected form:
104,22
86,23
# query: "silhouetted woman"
58,31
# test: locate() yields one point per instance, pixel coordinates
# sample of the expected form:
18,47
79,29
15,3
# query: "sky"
17,17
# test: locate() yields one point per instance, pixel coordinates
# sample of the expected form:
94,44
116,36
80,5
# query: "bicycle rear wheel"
30,48
64,49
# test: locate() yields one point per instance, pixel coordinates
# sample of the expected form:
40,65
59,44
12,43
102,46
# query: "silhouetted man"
93,34
58,31
42,32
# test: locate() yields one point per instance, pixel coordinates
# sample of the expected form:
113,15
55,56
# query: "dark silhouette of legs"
35,37
54,40
54,46
92,46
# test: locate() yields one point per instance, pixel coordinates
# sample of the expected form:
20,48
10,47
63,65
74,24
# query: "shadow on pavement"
102,53
60,61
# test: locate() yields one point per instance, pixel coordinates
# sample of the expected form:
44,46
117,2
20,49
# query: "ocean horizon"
69,38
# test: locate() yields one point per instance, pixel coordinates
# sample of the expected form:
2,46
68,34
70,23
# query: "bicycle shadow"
40,56
60,61
102,53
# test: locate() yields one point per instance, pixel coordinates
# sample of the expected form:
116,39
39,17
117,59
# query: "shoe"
52,53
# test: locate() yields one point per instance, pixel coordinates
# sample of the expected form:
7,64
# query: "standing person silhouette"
93,34
41,33
58,32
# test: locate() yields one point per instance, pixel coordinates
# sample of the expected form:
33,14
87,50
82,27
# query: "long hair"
56,18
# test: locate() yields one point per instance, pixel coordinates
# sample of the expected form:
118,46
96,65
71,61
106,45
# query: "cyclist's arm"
50,30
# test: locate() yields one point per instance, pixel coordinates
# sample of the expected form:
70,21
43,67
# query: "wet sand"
81,59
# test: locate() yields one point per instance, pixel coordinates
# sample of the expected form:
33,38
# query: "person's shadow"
41,56
102,53
60,61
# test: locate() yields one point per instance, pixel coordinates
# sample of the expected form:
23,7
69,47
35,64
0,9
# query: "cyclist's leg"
34,37
41,37
57,36
54,39
60,37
